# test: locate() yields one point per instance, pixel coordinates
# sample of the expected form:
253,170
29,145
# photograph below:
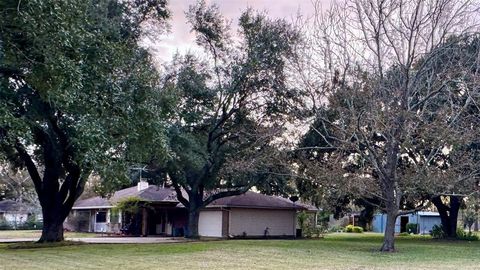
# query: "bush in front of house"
336,228
5,225
353,229
357,229
437,232
467,236
412,228
314,231
31,224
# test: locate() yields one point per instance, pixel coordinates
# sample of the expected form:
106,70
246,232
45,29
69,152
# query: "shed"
425,220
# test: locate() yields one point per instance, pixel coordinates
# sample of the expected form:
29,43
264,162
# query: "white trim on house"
91,207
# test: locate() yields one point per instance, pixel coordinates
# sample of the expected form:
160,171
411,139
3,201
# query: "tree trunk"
475,225
389,236
52,226
453,217
193,217
448,214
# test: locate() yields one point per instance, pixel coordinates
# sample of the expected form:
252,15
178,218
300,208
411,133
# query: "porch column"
144,222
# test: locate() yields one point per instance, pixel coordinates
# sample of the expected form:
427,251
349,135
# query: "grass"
32,245
335,251
36,234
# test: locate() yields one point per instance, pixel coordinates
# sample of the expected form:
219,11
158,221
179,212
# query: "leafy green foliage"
467,236
412,227
470,216
437,232
131,205
302,219
353,229
4,224
230,109
77,93
307,224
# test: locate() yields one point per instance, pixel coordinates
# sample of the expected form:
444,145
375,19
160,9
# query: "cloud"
181,40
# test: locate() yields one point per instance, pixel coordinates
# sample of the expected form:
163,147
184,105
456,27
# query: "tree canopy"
76,94
393,97
229,109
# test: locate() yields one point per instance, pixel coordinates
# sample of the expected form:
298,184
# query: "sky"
181,40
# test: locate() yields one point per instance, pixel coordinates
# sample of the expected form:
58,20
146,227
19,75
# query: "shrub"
5,225
323,218
78,222
437,232
469,218
412,228
314,232
31,224
353,229
357,229
403,234
302,218
468,236
131,205
336,228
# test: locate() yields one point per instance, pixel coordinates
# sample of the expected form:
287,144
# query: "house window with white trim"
101,217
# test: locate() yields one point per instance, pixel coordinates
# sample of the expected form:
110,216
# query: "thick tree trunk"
389,236
193,218
448,214
56,197
52,226
453,217
475,225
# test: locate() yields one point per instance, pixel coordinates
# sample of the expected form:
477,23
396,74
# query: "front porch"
161,221
148,220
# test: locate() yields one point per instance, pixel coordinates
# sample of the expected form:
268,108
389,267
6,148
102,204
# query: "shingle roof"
252,199
151,194
12,206
158,194
94,202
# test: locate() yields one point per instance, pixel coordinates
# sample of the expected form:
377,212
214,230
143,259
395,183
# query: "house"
248,215
14,214
425,221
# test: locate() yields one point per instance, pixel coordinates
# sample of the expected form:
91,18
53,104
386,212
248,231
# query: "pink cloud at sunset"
181,40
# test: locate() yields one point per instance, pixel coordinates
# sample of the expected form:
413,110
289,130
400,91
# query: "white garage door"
254,222
210,223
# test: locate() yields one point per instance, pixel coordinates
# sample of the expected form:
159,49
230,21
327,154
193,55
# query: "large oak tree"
76,93
230,109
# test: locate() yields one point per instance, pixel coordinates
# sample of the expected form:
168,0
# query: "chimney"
142,185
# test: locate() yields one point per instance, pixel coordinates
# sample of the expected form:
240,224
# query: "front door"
403,224
100,221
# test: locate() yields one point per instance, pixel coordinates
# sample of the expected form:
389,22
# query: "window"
101,217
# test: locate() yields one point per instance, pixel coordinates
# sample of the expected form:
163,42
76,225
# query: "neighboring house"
425,220
249,215
14,213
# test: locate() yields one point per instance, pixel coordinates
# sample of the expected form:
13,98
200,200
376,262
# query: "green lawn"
336,251
36,234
